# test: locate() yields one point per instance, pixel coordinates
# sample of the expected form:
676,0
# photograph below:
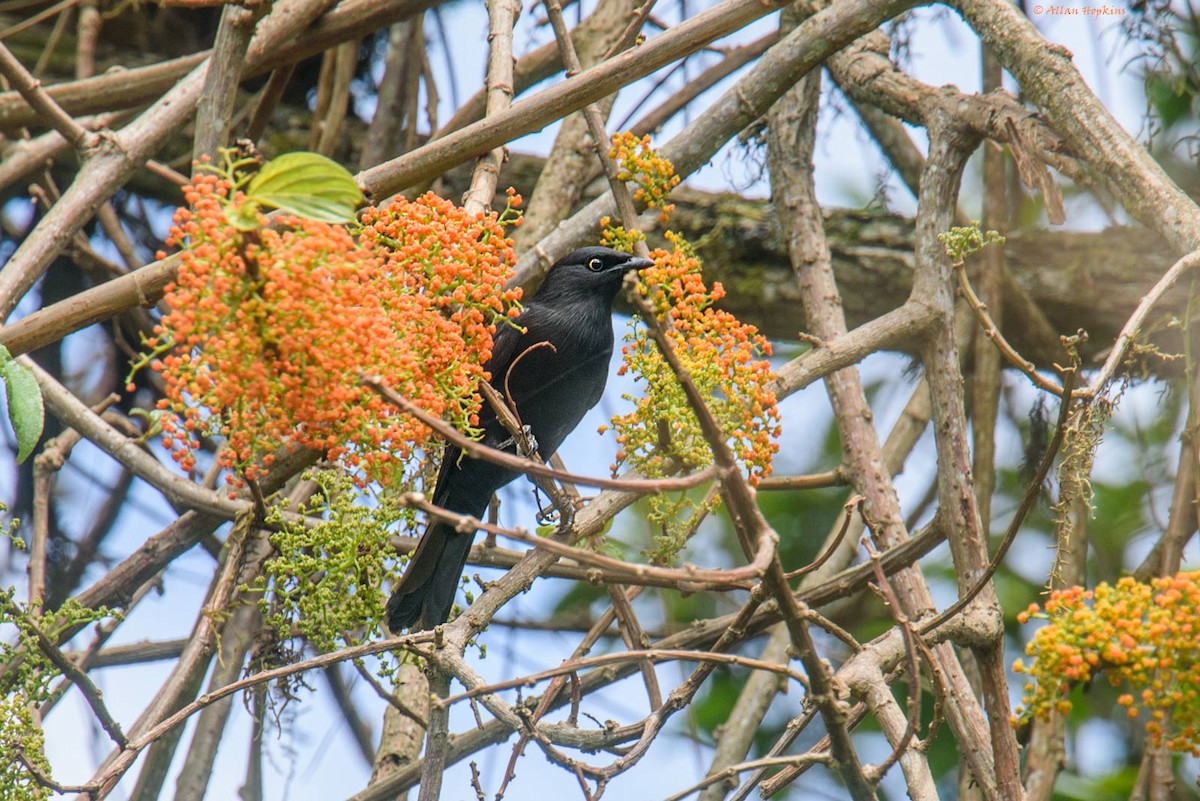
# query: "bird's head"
593,272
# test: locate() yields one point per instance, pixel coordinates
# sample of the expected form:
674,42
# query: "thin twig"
74,413
832,547
830,478
912,664
509,416
631,633
1032,490
1133,327
31,89
591,85
268,100
686,579
478,450
652,654
585,645
791,731
811,758
87,688
750,526
734,59
783,778
391,698
502,16
992,331
124,760
41,778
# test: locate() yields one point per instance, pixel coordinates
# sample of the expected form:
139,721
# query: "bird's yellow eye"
595,265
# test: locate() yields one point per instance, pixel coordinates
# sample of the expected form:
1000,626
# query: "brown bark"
1078,280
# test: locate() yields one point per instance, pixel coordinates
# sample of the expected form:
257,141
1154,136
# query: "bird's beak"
637,263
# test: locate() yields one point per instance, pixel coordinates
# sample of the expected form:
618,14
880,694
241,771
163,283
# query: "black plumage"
552,389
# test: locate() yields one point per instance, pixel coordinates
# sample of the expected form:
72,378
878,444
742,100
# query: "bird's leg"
521,435
530,448
566,519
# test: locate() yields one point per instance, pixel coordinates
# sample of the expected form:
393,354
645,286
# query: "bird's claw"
562,517
530,445
526,447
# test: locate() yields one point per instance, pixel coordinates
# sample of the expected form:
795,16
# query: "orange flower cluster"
654,175
723,356
270,330
1146,636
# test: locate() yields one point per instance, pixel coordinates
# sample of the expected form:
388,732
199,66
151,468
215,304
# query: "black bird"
552,388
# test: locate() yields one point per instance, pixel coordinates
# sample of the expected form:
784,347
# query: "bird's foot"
567,522
529,447
562,517
526,444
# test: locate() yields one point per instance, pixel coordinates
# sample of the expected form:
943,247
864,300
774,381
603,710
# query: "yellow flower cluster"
724,358
638,162
1143,636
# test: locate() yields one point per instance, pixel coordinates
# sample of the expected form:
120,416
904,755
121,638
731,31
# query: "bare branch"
653,654
478,450
87,688
1133,328
502,15
214,114
42,103
1125,167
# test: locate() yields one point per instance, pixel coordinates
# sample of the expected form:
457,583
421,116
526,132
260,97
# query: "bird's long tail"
425,594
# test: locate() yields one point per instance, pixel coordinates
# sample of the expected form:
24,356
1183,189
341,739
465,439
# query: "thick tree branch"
1051,81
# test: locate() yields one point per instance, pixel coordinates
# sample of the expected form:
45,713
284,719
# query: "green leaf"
153,418
244,216
308,185
25,410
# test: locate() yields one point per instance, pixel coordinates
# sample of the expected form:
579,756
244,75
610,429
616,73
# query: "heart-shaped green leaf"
25,410
308,185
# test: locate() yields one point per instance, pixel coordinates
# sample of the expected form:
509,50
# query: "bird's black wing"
551,388
426,591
